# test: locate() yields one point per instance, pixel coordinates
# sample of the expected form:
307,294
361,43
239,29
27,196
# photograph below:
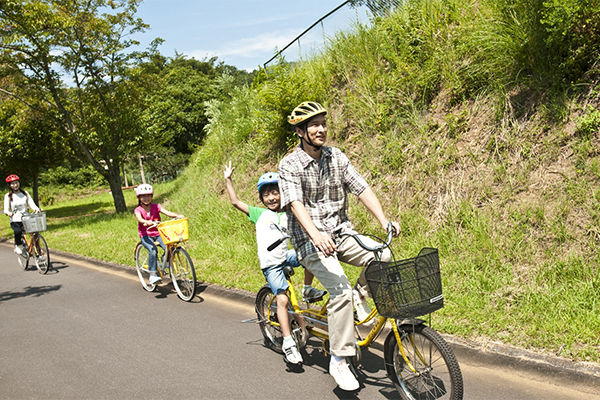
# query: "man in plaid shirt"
313,182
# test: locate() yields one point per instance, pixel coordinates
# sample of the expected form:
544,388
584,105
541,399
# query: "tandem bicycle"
34,245
417,359
174,262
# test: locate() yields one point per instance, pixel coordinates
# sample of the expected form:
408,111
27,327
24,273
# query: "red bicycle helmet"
11,178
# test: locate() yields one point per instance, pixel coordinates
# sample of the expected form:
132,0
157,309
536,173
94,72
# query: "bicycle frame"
29,242
315,320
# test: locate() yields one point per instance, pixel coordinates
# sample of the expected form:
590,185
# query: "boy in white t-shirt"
272,262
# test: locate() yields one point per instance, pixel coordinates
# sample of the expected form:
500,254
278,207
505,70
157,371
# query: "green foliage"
588,124
46,42
176,113
559,38
79,178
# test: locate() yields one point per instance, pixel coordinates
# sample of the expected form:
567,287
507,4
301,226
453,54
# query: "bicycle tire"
141,265
23,258
41,253
183,274
272,333
437,374
266,311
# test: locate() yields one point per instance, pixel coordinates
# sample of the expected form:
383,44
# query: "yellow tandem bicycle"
417,359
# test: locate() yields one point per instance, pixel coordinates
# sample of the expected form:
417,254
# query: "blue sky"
242,33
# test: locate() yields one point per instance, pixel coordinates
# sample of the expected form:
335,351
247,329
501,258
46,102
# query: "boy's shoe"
18,250
291,353
360,305
344,378
311,294
154,278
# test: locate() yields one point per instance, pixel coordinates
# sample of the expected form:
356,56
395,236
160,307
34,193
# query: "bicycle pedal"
310,301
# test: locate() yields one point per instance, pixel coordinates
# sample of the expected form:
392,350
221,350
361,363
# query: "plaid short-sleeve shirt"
321,185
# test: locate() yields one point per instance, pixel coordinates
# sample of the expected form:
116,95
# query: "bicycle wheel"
437,374
41,253
23,258
266,311
141,265
183,274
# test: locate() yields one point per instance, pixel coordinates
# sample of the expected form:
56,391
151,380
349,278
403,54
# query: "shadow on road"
163,291
29,291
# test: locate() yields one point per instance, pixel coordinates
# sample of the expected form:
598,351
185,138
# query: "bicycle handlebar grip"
277,243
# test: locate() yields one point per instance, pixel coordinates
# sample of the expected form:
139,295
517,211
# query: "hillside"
477,126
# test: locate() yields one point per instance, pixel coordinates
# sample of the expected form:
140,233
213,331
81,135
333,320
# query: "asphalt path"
88,331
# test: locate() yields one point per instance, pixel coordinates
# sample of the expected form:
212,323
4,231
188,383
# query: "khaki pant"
329,271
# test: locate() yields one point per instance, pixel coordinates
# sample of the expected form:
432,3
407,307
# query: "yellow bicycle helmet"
305,111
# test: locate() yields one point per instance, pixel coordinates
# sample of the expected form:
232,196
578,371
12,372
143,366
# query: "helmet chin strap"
306,139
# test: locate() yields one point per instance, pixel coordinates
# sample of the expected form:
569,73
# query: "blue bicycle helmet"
266,179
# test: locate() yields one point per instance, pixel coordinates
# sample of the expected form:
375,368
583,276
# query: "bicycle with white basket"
34,244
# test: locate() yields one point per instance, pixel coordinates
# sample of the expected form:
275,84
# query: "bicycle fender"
410,321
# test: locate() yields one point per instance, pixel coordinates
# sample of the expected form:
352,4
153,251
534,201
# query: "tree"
30,141
48,44
176,111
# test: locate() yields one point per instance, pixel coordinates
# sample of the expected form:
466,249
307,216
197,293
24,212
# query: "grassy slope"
503,187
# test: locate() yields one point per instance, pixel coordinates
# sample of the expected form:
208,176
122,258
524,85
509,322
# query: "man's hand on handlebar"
395,227
325,244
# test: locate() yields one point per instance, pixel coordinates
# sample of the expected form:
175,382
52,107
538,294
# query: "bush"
85,177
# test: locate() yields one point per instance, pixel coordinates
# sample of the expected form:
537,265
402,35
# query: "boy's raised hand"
228,171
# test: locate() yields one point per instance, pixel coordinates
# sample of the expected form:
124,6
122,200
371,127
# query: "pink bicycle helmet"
144,189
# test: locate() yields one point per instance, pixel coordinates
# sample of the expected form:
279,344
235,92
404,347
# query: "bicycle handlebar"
277,242
380,247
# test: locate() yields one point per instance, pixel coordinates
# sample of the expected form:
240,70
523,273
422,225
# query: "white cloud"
260,45
263,45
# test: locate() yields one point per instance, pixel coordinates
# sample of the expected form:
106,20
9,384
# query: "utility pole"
141,168
124,175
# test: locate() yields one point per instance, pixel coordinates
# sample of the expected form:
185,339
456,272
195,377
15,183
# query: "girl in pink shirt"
148,216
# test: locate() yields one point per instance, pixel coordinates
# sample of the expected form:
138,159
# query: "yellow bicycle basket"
174,231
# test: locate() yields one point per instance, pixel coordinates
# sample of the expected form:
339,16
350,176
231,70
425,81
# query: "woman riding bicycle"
16,203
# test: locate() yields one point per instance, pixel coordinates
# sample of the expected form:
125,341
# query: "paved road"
86,331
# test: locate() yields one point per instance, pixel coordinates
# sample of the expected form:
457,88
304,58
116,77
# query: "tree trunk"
35,197
114,179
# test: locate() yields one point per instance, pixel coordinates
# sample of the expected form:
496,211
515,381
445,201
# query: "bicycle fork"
399,338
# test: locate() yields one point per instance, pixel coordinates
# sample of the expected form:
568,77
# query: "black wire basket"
407,288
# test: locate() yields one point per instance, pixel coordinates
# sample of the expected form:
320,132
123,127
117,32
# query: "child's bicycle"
34,245
417,359
175,261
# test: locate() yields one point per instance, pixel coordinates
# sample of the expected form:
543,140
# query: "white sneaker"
154,278
343,376
360,305
291,353
18,250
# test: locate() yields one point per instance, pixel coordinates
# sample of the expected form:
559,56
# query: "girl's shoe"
18,250
154,278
